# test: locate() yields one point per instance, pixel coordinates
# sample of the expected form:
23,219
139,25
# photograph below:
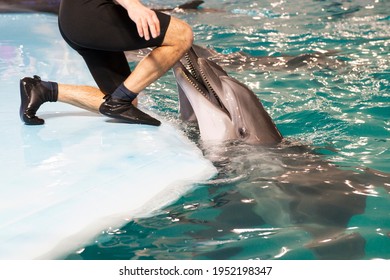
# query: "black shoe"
33,93
125,111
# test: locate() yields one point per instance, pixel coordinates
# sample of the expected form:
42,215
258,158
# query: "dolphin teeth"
191,68
210,88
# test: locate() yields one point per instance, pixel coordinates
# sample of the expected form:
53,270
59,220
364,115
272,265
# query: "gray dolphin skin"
241,61
289,187
224,108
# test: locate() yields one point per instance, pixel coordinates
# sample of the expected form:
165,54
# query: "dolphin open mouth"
223,107
196,74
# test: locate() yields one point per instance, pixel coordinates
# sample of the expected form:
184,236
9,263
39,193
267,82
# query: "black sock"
123,93
52,94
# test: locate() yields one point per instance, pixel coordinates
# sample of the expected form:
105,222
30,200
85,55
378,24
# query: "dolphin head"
224,108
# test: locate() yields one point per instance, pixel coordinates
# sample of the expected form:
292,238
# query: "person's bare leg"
178,39
85,97
34,92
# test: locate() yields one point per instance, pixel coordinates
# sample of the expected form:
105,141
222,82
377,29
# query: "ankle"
52,94
124,93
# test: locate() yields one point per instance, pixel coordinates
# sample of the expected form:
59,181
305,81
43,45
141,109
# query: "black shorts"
100,31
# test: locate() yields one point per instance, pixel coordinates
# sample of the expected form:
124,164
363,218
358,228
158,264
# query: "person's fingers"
148,25
145,29
153,29
139,28
156,25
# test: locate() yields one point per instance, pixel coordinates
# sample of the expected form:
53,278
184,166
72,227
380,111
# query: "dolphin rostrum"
224,108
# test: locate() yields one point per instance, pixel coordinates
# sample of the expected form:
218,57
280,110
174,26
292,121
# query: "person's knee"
180,35
187,36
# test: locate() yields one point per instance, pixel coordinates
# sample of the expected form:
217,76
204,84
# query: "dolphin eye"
242,132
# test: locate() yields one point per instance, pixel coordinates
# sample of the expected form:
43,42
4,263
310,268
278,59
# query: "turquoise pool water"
339,113
323,193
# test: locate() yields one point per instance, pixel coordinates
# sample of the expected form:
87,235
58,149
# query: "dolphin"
215,100
239,61
288,186
52,6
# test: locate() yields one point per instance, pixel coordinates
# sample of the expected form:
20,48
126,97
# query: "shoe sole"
118,115
131,121
24,100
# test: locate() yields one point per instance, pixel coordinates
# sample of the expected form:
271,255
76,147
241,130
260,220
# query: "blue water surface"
323,195
324,192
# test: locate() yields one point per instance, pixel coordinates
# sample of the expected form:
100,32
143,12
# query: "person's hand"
146,20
